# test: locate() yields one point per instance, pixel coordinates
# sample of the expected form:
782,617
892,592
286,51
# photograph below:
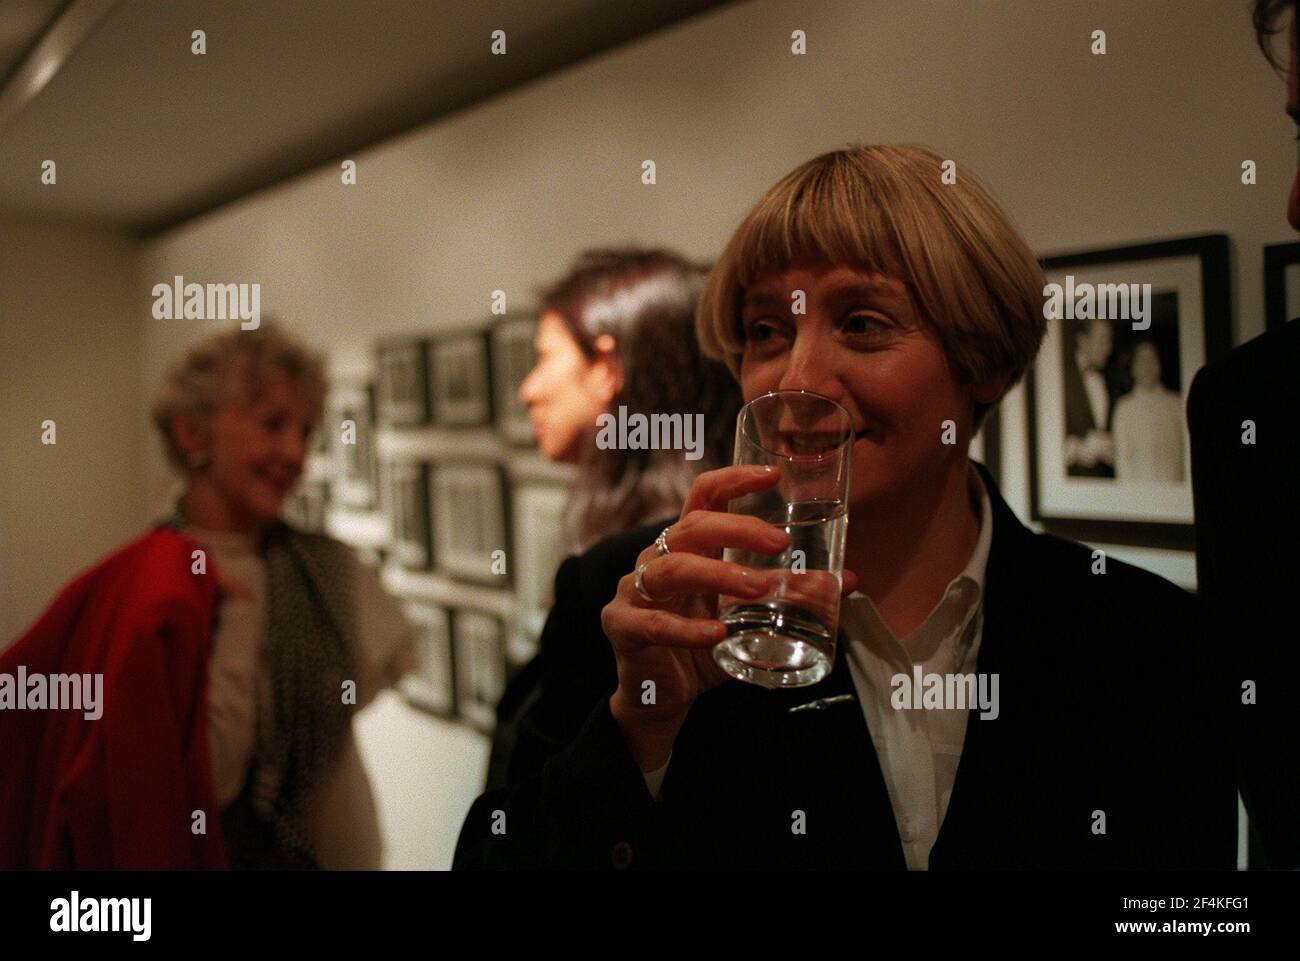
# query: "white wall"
69,352
1143,143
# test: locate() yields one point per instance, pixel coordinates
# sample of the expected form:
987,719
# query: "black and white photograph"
431,686
461,380
408,512
513,356
479,640
1109,449
469,530
403,382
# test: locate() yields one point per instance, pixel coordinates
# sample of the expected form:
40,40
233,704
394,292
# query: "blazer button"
621,856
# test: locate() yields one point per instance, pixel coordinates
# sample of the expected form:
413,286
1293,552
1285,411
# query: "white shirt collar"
953,617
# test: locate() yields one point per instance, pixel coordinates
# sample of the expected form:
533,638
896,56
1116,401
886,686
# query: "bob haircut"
235,366
885,209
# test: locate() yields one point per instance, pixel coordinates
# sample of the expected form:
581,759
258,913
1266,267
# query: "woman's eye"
865,324
759,331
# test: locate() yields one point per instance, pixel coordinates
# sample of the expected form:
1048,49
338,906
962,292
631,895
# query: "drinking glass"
786,638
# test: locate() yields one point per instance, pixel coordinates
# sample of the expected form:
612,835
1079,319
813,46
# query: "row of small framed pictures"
461,670
451,518
466,378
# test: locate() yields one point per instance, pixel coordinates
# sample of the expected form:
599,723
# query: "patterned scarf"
309,654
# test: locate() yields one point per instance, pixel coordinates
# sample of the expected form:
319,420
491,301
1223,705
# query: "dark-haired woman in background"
616,332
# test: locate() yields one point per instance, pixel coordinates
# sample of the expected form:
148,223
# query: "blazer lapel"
993,772
830,752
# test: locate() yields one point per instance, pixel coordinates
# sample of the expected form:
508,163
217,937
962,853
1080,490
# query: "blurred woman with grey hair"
236,650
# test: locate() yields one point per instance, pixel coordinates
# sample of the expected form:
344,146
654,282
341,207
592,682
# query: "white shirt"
918,749
343,822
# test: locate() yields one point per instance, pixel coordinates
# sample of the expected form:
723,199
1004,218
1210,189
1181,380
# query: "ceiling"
145,134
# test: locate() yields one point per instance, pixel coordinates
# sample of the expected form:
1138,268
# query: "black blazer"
1106,705
1247,500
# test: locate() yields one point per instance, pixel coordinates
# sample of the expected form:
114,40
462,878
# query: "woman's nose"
810,368
528,389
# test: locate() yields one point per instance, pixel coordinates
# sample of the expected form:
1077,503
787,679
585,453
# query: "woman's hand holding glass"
666,635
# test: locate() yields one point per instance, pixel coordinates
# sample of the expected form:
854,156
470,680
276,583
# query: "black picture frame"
372,405
513,357
431,685
407,508
479,644
460,379
470,511
1277,257
403,378
1212,290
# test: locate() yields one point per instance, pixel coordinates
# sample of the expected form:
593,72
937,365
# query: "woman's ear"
606,369
192,434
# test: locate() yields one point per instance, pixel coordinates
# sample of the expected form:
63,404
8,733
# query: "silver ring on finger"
661,542
639,583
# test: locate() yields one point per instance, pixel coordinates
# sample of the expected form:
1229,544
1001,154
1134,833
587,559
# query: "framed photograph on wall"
408,513
354,446
469,509
538,511
403,382
1281,283
480,666
432,685
513,356
461,380
1109,456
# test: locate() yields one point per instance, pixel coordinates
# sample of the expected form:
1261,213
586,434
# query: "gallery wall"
70,349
